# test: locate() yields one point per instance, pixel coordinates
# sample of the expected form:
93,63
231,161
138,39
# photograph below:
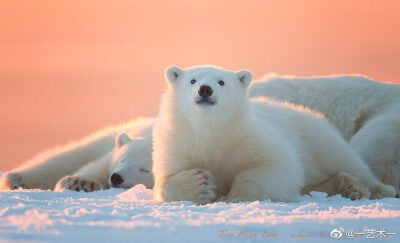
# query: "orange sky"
68,69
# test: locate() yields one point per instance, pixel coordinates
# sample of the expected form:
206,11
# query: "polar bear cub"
96,162
126,166
211,142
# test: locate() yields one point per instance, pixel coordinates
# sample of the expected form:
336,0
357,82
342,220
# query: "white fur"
367,114
133,161
90,158
240,149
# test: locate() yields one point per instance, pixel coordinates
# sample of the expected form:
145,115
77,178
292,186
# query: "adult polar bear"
211,142
367,113
107,158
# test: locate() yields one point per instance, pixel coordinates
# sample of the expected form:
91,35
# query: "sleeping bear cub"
212,143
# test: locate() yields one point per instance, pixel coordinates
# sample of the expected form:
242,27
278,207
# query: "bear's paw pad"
203,185
350,187
78,183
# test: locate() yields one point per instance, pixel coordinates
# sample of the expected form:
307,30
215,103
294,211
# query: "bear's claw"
201,186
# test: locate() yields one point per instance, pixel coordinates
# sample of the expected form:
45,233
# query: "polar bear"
132,162
211,142
96,162
366,112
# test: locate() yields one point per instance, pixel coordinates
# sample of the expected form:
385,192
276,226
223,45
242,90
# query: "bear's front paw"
350,187
194,185
78,183
12,181
203,184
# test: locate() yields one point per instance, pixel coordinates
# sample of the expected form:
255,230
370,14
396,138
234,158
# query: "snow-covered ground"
132,216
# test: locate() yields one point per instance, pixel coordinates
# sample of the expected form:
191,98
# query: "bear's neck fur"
234,126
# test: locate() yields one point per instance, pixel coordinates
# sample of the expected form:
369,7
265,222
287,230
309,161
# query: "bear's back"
341,99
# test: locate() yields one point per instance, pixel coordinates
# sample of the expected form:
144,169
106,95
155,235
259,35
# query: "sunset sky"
70,68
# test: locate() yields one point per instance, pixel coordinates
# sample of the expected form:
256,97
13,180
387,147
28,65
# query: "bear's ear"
122,139
244,77
173,73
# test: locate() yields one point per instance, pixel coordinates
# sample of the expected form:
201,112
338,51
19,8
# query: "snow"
118,215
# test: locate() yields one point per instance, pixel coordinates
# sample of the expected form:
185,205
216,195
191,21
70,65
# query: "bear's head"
132,162
202,90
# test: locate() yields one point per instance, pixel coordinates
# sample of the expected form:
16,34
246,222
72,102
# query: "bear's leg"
92,177
278,184
194,185
346,185
378,144
43,171
335,156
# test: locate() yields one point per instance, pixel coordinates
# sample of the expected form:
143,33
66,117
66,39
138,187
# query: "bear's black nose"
116,179
205,91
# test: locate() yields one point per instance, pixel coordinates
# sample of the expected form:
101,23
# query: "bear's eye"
193,81
221,82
